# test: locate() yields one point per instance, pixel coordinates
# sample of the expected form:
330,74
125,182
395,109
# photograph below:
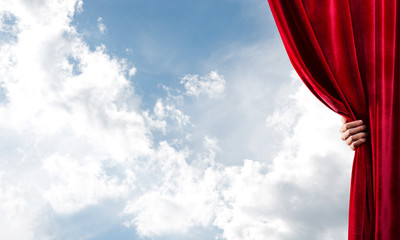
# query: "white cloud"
184,193
301,194
102,27
167,117
77,183
163,110
212,85
68,113
18,215
132,72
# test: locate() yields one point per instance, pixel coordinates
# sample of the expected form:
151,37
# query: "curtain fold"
347,53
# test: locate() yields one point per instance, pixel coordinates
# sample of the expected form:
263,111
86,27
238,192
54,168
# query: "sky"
145,119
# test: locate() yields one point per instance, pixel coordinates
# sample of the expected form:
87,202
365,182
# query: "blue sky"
167,40
161,120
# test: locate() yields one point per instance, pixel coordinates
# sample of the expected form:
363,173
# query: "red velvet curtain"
347,53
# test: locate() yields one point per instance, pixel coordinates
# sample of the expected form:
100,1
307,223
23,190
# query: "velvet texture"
347,53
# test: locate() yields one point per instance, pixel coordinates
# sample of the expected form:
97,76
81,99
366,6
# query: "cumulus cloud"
67,112
302,194
70,115
19,215
132,72
163,110
77,183
102,27
211,85
184,193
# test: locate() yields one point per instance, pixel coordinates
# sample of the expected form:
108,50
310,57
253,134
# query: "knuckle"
351,138
347,133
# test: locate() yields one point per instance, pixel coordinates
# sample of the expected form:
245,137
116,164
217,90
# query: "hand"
353,133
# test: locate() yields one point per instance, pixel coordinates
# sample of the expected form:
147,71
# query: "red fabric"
347,53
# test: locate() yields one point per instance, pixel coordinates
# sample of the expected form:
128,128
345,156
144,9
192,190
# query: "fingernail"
361,121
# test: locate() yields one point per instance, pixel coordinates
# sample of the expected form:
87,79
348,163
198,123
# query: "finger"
357,143
350,125
344,120
353,131
356,137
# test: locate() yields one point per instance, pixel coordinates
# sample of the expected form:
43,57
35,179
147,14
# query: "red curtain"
347,53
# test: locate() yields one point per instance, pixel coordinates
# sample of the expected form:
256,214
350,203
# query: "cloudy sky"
145,119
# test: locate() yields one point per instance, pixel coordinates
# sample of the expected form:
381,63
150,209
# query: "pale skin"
353,133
